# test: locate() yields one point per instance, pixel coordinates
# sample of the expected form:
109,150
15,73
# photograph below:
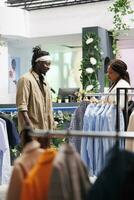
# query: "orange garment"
36,184
22,167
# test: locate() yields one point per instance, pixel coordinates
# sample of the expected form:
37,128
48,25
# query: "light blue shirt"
89,125
98,144
93,150
110,125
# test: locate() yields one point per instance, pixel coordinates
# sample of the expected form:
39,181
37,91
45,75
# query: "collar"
36,76
47,156
31,146
67,148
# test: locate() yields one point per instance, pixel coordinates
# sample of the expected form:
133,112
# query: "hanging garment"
13,135
129,144
36,184
130,108
5,171
87,126
93,150
69,180
77,123
22,166
116,181
98,158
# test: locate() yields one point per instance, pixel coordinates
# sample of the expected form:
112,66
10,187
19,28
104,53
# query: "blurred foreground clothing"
36,184
22,166
69,180
116,182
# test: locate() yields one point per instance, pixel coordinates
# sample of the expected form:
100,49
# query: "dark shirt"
13,135
116,182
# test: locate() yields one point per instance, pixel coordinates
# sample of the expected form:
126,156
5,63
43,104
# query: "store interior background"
59,31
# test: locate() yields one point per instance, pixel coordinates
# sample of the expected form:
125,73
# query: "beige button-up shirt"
36,100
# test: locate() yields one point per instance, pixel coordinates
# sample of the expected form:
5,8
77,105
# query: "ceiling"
62,42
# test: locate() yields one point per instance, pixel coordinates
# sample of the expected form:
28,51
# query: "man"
33,97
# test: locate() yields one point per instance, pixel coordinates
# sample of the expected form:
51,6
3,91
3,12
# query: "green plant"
91,62
120,9
63,120
15,152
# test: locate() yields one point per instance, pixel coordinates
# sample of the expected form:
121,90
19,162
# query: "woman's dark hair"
37,53
121,68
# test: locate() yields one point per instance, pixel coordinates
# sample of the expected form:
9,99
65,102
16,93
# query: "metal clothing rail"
68,133
107,94
118,90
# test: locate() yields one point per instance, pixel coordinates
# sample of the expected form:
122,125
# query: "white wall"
2,3
127,55
3,69
55,21
14,22
4,97
69,19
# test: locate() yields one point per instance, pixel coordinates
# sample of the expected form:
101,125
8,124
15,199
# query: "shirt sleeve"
23,94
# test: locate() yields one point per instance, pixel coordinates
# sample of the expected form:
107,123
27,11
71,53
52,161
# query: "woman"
119,77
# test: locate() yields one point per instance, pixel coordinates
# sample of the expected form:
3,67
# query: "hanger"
67,136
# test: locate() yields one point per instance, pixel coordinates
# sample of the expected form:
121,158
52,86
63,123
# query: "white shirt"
112,98
4,147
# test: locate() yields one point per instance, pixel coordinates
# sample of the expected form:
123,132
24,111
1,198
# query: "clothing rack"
97,134
126,93
68,133
106,134
105,94
118,90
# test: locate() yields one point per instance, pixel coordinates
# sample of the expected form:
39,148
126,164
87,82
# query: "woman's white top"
112,98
